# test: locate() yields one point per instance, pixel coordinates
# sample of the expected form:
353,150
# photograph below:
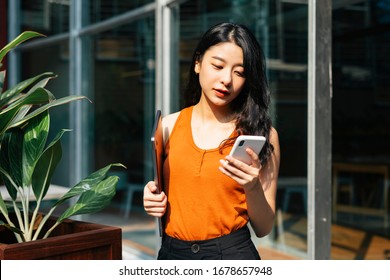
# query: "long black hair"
252,104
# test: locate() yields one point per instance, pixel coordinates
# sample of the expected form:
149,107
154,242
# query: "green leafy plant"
28,161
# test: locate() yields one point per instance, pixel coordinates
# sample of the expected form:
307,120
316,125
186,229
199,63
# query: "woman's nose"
226,78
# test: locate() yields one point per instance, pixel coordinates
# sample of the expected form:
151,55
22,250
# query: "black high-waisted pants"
234,246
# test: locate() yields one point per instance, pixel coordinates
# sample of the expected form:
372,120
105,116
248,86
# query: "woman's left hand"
245,175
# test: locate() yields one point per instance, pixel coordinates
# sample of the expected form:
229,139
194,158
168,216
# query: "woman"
209,197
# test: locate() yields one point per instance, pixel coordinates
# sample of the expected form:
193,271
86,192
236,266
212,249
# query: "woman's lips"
221,93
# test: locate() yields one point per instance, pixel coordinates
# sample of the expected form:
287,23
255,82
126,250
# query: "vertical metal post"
171,55
159,54
166,46
14,16
319,129
167,60
159,88
79,156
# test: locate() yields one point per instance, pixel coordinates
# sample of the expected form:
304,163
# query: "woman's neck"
216,114
210,127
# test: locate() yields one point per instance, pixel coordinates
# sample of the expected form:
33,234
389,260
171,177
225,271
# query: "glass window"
281,29
46,16
54,58
123,97
104,9
360,121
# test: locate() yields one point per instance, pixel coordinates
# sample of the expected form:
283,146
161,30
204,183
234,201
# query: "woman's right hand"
154,204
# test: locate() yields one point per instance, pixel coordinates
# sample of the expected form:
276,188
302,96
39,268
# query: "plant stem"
25,203
19,237
42,223
33,218
25,198
20,222
50,230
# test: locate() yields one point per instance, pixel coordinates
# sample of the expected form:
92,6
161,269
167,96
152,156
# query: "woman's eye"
240,74
217,66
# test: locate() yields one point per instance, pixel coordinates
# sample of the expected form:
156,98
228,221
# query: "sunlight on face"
221,73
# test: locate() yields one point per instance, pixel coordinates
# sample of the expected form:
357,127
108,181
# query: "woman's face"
221,73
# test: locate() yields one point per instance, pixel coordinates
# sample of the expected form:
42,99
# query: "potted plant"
27,163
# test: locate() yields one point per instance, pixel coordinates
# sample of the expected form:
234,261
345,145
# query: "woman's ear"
197,67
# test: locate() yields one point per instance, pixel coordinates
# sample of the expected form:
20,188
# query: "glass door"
360,120
281,29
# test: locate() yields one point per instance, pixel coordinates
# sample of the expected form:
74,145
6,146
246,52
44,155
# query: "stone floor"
141,240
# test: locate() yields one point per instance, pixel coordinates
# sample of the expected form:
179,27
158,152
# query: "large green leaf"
21,38
11,114
36,97
7,179
43,108
46,166
35,136
87,184
6,119
42,82
5,165
94,200
15,151
37,81
23,110
2,79
4,160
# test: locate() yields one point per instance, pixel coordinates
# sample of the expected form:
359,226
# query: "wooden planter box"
71,240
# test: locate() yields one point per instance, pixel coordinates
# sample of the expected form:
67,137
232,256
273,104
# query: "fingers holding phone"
243,164
241,145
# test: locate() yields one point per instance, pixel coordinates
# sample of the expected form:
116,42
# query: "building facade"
328,68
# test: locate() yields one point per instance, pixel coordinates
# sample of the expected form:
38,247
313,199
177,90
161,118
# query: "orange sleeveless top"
203,203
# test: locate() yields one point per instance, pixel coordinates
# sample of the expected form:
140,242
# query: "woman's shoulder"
273,136
168,122
274,140
273,132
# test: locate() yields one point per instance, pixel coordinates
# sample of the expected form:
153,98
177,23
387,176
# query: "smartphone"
242,142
